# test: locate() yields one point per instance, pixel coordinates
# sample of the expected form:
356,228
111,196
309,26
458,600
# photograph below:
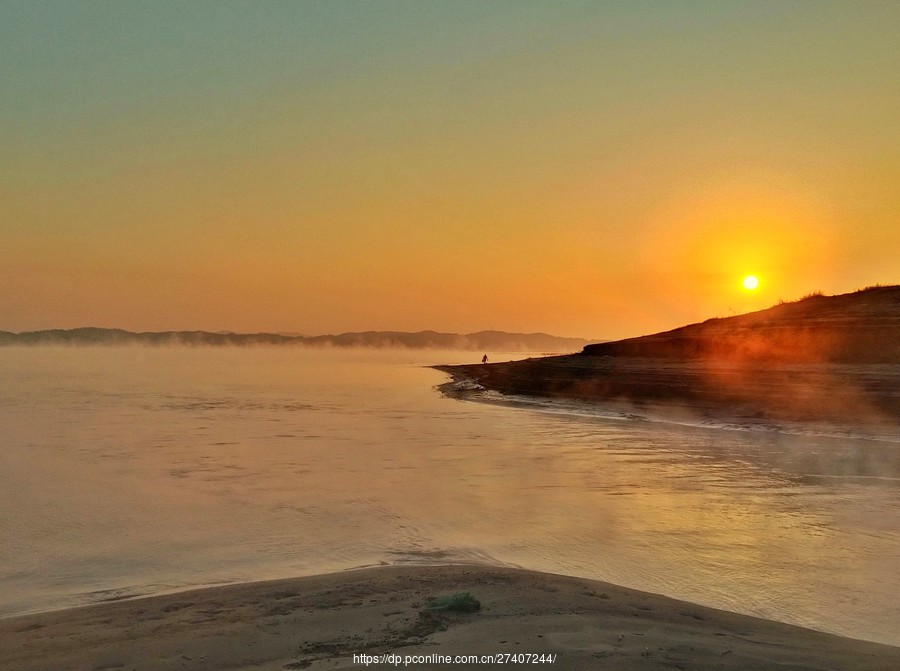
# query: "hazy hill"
859,327
828,359
482,340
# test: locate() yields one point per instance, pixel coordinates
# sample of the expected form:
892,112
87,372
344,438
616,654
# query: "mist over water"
128,471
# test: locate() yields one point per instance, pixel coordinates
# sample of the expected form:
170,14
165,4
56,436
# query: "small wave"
465,385
861,479
452,555
116,594
196,404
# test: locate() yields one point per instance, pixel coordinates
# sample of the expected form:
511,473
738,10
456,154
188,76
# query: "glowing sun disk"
751,282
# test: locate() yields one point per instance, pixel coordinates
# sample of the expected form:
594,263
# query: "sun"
751,282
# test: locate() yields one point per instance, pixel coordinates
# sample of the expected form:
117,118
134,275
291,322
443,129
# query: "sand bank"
320,622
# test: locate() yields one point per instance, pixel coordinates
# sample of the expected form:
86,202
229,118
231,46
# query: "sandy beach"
321,622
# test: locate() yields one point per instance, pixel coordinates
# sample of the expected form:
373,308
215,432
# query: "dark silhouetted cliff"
829,359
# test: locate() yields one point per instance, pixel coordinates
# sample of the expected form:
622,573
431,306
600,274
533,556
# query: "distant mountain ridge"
482,340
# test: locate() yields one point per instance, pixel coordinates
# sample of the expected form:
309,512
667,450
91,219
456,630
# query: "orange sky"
579,169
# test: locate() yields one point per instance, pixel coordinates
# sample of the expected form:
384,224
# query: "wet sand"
320,622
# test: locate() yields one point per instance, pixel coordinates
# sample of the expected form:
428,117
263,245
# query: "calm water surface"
127,471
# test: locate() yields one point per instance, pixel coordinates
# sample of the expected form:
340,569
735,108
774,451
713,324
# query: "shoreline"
671,414
321,621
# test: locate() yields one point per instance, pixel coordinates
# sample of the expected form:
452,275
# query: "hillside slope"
859,327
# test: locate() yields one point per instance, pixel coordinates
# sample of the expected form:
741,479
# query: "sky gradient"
595,169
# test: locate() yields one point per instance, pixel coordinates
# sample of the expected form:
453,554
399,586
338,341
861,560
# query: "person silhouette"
484,359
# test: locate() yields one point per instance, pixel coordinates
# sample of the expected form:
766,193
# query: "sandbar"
321,622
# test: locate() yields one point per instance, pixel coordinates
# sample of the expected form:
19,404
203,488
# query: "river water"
127,471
